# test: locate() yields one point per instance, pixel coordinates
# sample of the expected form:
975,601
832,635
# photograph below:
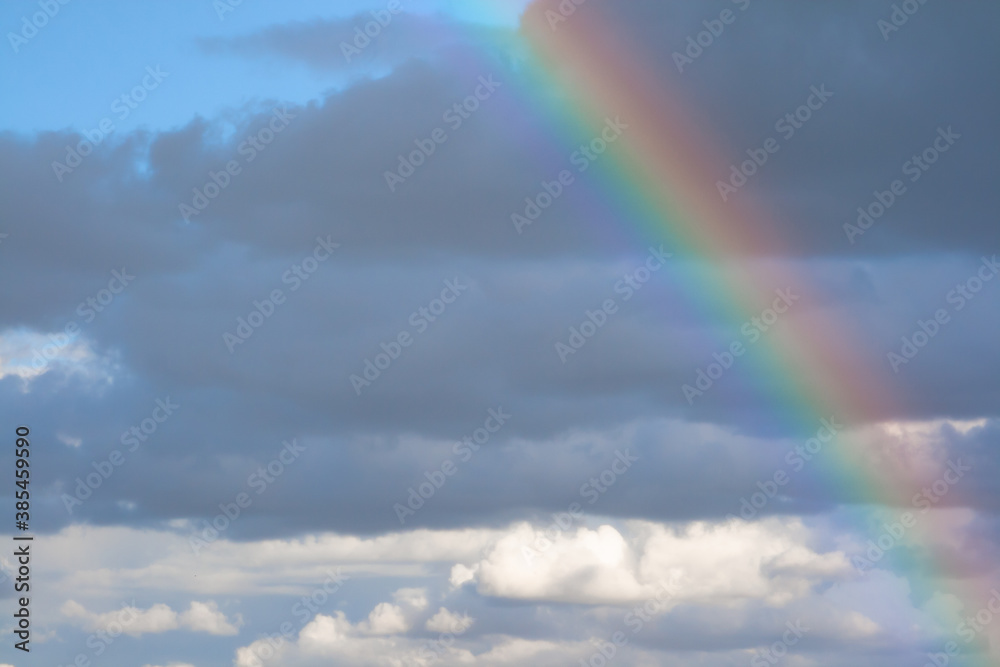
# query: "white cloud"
732,579
68,440
386,619
377,640
765,560
392,619
726,574
461,575
726,562
135,622
206,617
446,621
414,598
164,560
332,639
29,355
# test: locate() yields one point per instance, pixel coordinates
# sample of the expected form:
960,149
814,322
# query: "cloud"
206,617
413,598
494,347
334,46
375,641
28,355
767,561
386,619
482,542
392,619
135,622
447,621
334,637
732,581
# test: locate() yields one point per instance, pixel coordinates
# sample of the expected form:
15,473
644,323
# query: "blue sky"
89,54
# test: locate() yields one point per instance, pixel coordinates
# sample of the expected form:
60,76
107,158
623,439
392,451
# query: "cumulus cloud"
412,598
206,617
462,574
391,619
203,617
134,621
386,619
447,621
378,640
334,637
737,560
748,575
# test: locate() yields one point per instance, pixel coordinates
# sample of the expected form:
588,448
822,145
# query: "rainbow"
661,175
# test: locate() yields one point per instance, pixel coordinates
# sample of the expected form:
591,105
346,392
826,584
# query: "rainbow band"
662,174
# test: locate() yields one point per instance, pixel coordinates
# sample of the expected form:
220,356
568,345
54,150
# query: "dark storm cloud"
322,176
890,98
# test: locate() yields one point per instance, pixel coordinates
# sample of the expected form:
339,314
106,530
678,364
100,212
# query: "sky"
346,350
